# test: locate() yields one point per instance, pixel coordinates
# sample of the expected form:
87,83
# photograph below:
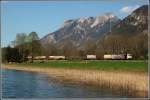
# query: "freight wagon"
40,58
56,57
91,57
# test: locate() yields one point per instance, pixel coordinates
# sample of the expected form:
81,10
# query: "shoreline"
129,82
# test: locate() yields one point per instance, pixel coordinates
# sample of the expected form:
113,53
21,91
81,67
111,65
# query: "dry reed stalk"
135,84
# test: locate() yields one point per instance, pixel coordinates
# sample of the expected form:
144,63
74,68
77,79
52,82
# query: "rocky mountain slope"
135,23
93,28
79,30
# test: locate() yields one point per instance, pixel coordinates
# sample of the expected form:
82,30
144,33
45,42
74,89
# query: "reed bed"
124,83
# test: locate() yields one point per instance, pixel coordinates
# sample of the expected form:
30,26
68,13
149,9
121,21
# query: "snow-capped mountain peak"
67,23
102,19
81,20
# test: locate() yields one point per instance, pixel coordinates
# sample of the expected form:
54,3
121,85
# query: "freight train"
88,57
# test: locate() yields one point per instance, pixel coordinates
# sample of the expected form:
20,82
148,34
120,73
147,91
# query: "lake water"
20,84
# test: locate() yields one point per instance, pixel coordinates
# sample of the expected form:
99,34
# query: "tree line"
23,46
29,45
117,44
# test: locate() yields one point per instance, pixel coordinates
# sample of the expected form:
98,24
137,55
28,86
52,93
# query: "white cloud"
128,9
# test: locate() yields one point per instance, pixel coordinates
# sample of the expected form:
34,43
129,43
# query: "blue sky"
47,16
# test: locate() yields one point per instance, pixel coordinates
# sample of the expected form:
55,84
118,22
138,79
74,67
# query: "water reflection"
20,84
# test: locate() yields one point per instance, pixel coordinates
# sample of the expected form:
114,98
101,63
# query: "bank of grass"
107,65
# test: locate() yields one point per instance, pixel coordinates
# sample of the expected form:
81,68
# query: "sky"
45,17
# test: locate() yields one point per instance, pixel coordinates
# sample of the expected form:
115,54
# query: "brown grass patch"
131,84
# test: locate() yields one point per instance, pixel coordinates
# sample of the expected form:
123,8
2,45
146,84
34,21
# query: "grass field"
122,65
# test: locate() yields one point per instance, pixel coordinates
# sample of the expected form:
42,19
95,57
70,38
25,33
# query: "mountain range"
93,28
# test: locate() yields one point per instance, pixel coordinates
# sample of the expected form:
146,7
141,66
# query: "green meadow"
107,65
